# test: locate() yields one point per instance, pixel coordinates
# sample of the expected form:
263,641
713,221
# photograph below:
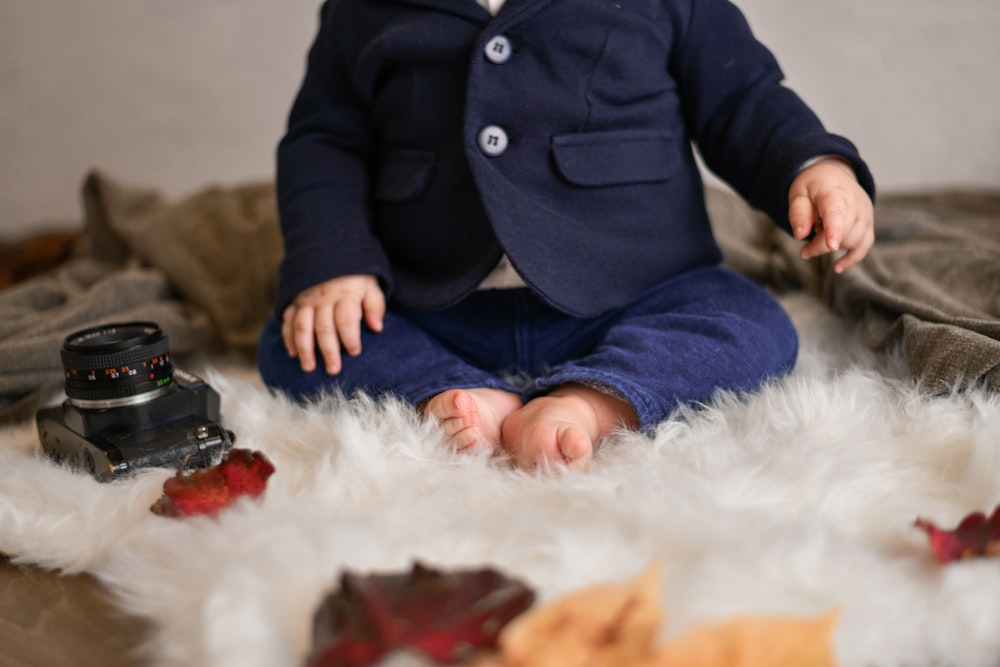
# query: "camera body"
128,408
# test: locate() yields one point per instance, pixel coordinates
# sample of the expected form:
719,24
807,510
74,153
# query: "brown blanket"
930,287
205,268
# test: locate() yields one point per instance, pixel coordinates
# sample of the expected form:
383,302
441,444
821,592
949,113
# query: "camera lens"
116,365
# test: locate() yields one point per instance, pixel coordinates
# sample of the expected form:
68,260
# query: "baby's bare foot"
472,417
564,427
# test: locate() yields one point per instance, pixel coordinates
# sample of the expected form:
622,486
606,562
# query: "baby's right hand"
329,315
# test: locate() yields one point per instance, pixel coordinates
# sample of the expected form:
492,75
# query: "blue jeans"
679,342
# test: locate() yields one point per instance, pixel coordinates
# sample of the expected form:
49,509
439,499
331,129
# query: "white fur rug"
796,500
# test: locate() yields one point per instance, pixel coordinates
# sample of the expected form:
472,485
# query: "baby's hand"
329,314
827,198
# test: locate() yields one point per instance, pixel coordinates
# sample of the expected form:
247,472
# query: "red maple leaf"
209,490
445,616
975,536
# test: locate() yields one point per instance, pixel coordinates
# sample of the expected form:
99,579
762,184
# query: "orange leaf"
605,626
615,625
753,641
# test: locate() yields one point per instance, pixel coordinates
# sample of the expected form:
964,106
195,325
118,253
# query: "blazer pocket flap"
615,158
403,175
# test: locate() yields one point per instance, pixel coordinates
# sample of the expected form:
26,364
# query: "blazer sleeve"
751,130
323,174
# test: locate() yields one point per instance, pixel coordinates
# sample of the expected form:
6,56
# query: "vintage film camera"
127,407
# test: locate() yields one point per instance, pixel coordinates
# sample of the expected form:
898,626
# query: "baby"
494,209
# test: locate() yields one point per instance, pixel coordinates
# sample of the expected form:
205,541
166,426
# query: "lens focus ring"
116,362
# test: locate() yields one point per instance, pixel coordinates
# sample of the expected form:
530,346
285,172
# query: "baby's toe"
575,447
467,438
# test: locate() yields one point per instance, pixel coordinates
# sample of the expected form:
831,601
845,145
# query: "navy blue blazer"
428,138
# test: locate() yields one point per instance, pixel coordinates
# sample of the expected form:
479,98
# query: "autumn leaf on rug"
615,625
445,616
210,490
975,536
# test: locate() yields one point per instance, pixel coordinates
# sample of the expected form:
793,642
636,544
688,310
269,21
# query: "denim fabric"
700,331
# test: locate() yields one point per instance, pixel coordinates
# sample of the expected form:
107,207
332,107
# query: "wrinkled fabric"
219,247
930,288
40,313
203,268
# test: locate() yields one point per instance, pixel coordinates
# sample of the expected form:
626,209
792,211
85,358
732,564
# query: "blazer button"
498,50
492,140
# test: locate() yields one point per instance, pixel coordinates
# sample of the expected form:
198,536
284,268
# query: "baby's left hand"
826,198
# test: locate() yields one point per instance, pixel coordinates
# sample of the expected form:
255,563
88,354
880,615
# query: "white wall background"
180,94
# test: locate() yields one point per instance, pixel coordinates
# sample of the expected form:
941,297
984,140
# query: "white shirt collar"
492,6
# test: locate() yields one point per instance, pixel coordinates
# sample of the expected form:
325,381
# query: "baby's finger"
374,306
305,337
287,330
832,207
857,253
347,317
815,247
326,338
801,216
850,259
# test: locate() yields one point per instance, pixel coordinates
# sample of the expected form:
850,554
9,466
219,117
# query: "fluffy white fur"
792,501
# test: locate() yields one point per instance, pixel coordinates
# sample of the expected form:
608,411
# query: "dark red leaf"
975,536
445,616
209,490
